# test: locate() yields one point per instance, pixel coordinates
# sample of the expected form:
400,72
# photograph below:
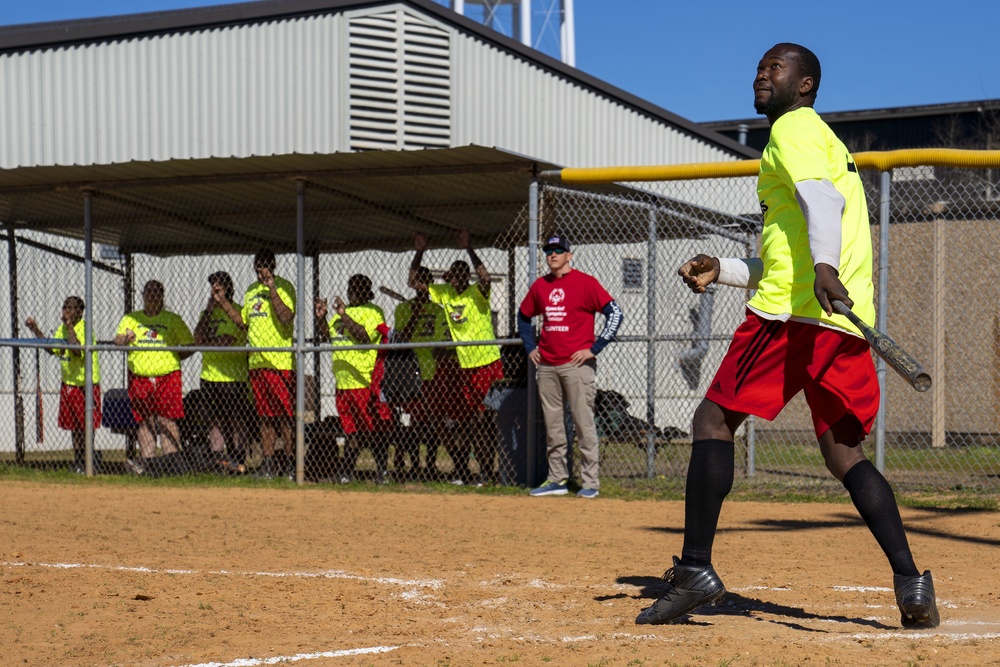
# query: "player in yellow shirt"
268,318
223,376
467,307
154,380
357,373
72,401
418,320
815,248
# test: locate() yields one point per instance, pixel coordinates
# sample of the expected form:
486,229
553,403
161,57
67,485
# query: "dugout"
326,217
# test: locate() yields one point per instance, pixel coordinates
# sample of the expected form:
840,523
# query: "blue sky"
697,58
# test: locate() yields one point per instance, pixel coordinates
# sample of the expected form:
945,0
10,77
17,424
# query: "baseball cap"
556,241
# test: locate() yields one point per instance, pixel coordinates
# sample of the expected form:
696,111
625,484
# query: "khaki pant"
576,387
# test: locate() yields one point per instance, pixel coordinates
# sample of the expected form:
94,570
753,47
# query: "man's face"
777,86
263,272
71,311
557,259
458,276
152,297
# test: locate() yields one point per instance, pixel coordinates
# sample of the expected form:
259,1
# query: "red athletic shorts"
156,396
458,393
272,391
73,408
360,410
770,361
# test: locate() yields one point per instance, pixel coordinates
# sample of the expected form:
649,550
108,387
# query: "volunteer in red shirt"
565,357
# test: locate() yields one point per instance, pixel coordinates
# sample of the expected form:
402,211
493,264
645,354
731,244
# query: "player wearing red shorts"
268,318
815,247
154,380
467,307
72,400
418,320
362,412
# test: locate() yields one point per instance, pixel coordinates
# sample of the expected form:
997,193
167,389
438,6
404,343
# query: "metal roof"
373,200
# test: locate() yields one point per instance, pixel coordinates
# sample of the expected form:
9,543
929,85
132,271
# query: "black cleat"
688,587
917,602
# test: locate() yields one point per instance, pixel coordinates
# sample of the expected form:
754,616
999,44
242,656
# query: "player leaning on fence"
72,400
467,307
565,358
815,246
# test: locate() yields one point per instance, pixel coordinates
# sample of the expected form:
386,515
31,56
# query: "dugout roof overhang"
352,201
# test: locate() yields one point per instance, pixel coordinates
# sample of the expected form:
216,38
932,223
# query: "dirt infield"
99,574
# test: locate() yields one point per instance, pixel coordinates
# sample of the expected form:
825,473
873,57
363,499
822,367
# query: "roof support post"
531,442
15,352
300,329
88,333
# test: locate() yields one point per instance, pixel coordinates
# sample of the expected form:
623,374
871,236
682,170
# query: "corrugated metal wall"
282,87
270,88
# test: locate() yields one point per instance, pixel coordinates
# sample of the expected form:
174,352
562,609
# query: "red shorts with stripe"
73,408
361,411
156,396
272,391
770,361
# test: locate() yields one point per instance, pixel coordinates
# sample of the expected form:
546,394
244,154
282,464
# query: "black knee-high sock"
709,481
876,504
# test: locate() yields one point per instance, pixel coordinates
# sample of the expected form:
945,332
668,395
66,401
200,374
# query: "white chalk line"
326,574
253,662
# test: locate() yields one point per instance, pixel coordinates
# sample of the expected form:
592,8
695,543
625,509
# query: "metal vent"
400,82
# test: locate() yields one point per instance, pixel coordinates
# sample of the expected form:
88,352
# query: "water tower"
546,25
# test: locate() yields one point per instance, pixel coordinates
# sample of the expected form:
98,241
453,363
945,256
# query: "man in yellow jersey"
268,317
418,321
223,376
154,380
72,401
357,373
467,307
815,248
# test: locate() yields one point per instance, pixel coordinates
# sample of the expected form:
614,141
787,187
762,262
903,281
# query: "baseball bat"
888,349
393,293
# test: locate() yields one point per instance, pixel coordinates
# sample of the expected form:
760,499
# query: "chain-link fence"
351,358
935,281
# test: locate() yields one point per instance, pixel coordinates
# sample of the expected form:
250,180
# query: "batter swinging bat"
393,293
888,349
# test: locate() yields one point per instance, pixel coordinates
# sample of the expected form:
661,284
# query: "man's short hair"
808,64
264,259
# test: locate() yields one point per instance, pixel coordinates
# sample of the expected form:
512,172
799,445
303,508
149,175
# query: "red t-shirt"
567,305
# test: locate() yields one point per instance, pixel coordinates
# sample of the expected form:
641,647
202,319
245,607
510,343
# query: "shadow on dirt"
734,604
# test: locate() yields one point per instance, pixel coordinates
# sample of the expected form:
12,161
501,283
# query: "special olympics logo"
557,296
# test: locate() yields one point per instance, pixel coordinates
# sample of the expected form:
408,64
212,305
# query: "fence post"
651,344
16,352
530,441
88,335
881,315
300,328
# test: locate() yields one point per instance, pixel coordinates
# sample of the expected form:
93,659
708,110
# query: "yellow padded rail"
880,160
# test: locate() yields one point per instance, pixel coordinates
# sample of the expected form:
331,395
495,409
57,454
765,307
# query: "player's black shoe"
688,587
917,602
